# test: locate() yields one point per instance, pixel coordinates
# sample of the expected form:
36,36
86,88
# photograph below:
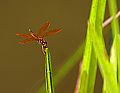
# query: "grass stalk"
85,83
48,73
115,50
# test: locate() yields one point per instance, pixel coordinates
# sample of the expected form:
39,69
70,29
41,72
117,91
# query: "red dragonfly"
39,37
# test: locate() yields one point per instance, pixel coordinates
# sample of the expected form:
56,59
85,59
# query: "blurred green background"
22,66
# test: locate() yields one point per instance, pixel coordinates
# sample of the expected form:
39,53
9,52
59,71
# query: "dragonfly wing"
26,41
43,28
24,35
51,32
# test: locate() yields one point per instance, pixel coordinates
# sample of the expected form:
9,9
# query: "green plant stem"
48,73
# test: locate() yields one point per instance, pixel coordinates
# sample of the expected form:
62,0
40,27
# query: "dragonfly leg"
43,50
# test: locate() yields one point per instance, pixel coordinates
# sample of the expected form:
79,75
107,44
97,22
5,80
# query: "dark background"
22,66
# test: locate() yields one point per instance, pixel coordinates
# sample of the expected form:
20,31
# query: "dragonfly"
39,36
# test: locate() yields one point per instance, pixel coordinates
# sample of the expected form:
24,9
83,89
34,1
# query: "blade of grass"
88,71
99,25
115,31
118,54
105,67
48,73
113,57
99,20
85,76
113,11
92,73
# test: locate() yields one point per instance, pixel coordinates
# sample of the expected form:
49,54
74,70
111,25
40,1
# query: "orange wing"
26,41
24,35
43,28
51,32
